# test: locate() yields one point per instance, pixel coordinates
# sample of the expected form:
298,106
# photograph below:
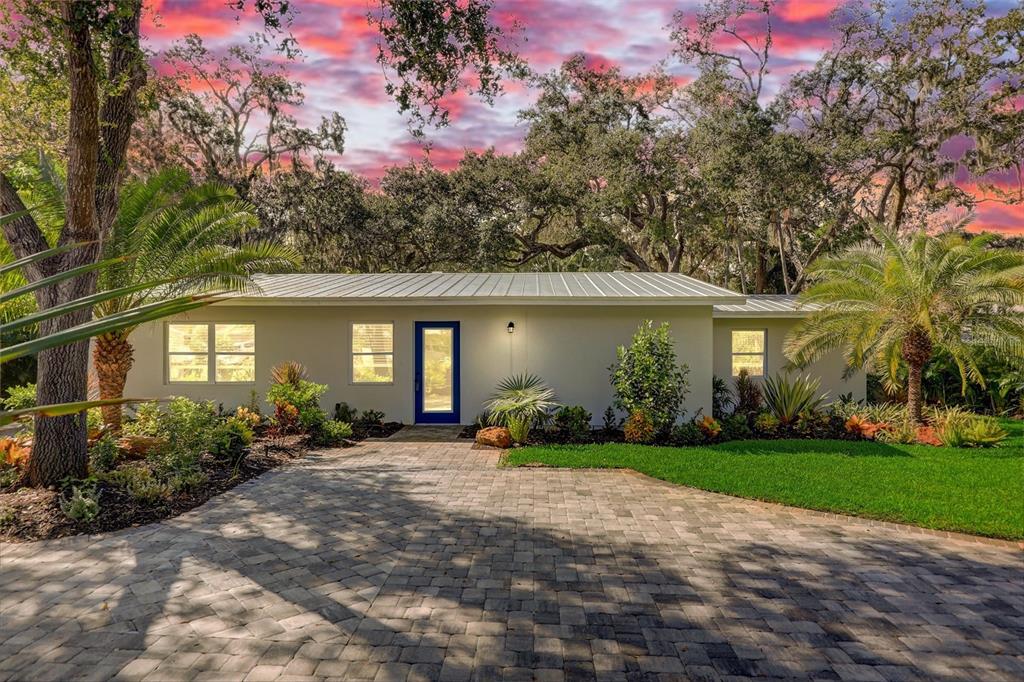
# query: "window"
189,359
748,351
373,353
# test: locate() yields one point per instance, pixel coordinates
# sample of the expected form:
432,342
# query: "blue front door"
437,373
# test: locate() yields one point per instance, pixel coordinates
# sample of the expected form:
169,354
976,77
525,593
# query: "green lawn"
972,491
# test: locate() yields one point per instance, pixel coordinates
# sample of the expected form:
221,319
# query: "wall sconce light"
511,327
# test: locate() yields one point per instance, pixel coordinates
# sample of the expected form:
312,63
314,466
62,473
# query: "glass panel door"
437,372
438,345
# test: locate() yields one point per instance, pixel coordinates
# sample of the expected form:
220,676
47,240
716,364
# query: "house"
430,347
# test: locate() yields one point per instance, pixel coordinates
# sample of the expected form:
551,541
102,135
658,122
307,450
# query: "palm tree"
898,301
179,235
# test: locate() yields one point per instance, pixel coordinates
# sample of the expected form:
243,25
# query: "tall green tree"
94,46
897,302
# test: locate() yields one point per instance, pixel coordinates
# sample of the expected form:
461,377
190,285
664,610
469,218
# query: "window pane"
187,338
437,370
372,369
236,368
748,342
372,338
190,367
754,364
235,338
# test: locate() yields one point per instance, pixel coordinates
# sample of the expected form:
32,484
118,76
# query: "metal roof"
766,305
486,288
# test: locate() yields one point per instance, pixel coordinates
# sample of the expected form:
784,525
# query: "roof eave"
482,300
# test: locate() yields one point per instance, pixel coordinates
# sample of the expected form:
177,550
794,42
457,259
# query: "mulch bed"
362,431
28,514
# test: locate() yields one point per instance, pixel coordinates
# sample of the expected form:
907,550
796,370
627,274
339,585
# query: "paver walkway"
396,561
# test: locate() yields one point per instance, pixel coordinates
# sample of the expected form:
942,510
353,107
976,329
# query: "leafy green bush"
190,479
344,413
20,397
187,426
83,505
766,425
304,396
573,422
748,394
371,418
687,434
146,421
103,455
229,441
735,428
331,432
140,483
518,403
647,377
788,398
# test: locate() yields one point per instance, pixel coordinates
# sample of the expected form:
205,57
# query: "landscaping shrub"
189,479
291,373
371,418
302,395
230,440
735,428
248,417
573,423
187,425
902,432
331,432
648,379
146,421
748,395
721,397
83,505
786,398
766,425
344,413
20,397
519,402
610,422
103,455
709,426
140,483
976,431
687,434
639,428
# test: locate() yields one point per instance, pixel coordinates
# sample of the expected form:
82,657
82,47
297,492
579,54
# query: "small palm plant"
520,401
895,303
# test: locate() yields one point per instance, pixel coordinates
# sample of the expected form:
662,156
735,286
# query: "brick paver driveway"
423,561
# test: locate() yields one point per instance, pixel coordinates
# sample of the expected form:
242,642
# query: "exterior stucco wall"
571,347
829,369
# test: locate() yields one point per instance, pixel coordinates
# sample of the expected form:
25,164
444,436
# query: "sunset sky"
339,70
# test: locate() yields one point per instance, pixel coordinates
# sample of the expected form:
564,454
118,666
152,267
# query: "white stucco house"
430,347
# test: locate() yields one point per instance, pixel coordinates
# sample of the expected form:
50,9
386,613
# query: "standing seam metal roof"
592,286
766,305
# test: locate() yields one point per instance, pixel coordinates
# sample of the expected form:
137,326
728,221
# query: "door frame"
453,417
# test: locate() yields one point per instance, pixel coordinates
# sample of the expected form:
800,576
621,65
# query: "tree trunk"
914,397
112,358
60,447
916,350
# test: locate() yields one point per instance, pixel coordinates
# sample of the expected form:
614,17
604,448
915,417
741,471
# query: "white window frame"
763,353
352,354
211,354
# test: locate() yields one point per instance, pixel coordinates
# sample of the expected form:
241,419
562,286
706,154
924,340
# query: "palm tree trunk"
914,394
113,358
